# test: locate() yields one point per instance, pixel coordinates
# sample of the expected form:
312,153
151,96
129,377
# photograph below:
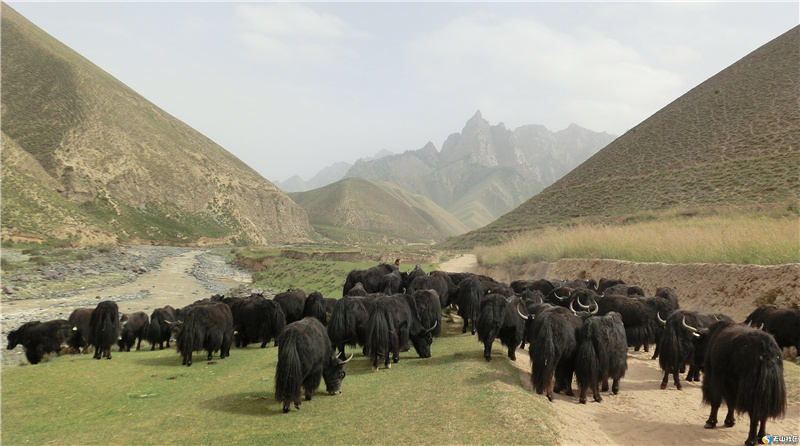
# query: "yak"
159,331
543,286
468,300
602,354
783,323
315,307
743,367
678,344
499,320
640,317
553,343
134,327
205,326
79,320
430,310
348,323
259,320
305,357
370,278
392,322
104,328
435,280
39,338
292,303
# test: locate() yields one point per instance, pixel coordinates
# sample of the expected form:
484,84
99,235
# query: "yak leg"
664,381
711,423
286,406
582,398
605,384
596,392
655,352
615,386
729,419
752,438
677,380
512,351
487,350
464,328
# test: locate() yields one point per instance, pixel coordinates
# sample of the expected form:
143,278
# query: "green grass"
455,397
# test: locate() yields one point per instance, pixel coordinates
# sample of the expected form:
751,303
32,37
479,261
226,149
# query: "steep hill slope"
90,159
486,170
733,140
359,210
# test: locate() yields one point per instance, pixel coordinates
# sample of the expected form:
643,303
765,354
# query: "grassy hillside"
732,141
357,210
123,168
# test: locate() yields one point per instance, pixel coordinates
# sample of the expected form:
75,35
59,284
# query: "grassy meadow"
744,238
147,397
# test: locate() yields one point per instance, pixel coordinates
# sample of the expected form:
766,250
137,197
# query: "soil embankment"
642,413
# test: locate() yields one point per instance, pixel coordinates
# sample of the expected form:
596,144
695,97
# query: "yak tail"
277,323
762,392
186,341
154,331
289,372
379,338
587,364
342,326
543,357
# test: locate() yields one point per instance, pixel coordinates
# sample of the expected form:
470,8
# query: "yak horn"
761,327
571,308
596,308
346,360
661,321
435,323
522,315
584,307
557,296
695,332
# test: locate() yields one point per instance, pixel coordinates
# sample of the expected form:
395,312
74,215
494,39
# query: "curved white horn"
434,326
346,360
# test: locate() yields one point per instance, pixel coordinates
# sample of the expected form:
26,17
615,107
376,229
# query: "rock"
7,290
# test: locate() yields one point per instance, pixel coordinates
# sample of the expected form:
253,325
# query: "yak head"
333,373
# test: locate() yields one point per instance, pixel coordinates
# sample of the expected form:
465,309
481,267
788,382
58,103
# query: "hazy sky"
291,88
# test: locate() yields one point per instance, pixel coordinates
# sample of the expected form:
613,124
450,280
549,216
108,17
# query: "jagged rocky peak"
483,144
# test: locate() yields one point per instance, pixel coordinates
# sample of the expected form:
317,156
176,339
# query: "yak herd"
577,328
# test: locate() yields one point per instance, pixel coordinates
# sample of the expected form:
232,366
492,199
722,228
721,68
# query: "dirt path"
641,413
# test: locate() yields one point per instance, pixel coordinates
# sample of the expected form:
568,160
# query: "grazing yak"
204,326
392,322
678,346
134,327
429,309
305,357
104,328
783,323
39,338
499,320
158,330
602,354
348,323
79,320
553,343
292,303
743,367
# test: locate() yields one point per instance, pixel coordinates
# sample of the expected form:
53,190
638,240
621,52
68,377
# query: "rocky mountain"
87,160
486,170
733,141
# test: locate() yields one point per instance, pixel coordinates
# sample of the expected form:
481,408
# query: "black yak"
553,343
392,322
205,326
499,320
315,307
602,354
468,298
258,320
744,367
39,338
348,323
134,327
79,320
292,303
305,357
783,323
158,330
104,328
435,280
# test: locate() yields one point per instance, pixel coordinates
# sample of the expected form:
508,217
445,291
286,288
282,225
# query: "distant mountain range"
486,170
732,141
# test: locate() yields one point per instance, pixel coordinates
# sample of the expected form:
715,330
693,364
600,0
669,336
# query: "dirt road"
642,413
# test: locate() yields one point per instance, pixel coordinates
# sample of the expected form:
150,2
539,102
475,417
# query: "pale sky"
290,88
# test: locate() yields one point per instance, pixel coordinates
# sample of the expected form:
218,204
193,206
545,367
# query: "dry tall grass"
710,239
